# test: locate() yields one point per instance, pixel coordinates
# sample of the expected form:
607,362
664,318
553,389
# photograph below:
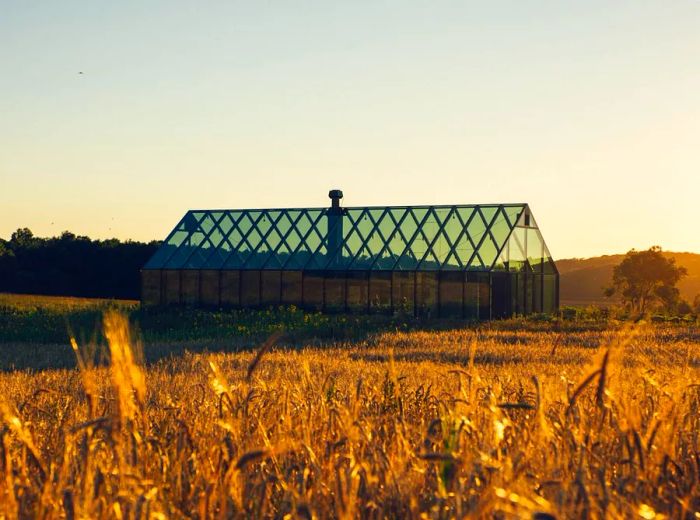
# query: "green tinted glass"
394,238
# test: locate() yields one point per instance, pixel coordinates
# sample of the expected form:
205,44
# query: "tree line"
72,265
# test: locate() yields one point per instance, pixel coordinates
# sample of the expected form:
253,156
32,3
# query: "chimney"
335,230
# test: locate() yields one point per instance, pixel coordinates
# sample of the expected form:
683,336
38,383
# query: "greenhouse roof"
457,238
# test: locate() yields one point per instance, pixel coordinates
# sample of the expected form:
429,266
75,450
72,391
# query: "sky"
117,117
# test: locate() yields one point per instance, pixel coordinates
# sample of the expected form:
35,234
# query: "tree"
696,304
72,265
646,277
8,266
23,237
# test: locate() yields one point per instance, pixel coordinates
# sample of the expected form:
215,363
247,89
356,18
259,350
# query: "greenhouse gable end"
466,261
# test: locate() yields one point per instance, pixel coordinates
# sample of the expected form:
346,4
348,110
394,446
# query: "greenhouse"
463,261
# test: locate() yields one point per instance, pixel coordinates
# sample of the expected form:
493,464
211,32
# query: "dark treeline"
71,265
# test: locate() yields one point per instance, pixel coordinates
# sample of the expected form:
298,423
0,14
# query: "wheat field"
461,423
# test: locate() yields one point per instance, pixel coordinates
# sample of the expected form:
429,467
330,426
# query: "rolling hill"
583,279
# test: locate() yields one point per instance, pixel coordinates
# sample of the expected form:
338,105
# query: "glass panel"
484,296
500,295
314,241
317,246
535,249
375,243
291,287
537,293
150,287
215,237
386,226
371,244
500,229
271,282
277,240
384,231
264,229
529,293
476,229
502,262
239,239
403,292
298,244
250,288
283,225
488,212
357,290
442,247
177,238
513,212
236,257
451,293
227,222
335,292
217,215
246,223
180,257
313,290
352,240
426,294
488,251
426,242
548,266
209,287
213,253
516,249
274,236
471,297
464,248
293,239
476,263
218,255
466,214
254,239
517,293
409,232
207,223
160,257
189,287
549,294
170,245
230,288
198,255
453,230
380,291
171,293
197,216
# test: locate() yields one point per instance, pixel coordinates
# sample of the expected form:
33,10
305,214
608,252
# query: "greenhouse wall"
431,294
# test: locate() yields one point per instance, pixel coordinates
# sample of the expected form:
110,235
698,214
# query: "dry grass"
446,424
35,301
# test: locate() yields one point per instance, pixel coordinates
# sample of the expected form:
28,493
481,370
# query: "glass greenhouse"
467,261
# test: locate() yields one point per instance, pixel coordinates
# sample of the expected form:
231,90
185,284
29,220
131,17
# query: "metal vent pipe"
335,229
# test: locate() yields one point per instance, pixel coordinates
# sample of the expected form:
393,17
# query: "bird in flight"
80,72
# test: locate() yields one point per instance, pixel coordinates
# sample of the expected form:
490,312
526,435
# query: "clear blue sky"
588,110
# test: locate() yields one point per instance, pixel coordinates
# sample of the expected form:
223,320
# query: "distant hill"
583,279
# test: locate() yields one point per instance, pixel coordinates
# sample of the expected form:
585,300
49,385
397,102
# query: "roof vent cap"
335,196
